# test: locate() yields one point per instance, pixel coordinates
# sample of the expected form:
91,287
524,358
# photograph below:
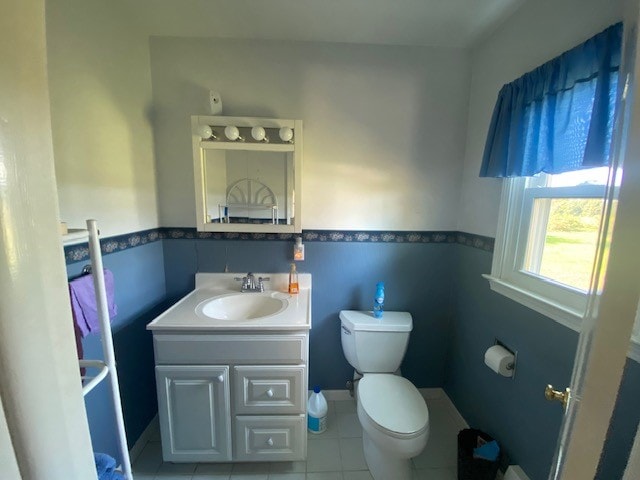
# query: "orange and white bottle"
293,280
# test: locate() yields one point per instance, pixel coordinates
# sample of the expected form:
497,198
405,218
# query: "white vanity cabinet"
232,396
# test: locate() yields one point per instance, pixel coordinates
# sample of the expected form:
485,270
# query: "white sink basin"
243,306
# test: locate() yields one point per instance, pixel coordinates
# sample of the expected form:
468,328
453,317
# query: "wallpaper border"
118,243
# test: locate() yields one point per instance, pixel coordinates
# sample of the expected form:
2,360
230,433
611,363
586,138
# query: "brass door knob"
557,396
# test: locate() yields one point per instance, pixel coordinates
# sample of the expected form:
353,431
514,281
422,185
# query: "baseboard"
462,423
335,395
144,438
431,393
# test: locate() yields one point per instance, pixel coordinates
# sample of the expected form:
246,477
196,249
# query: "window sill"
563,315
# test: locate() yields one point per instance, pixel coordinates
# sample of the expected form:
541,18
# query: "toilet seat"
393,405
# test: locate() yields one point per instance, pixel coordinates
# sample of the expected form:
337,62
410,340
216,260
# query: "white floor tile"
439,453
150,459
287,467
325,476
352,454
249,476
287,476
435,474
363,475
210,476
170,476
349,425
213,468
253,468
144,476
323,455
177,468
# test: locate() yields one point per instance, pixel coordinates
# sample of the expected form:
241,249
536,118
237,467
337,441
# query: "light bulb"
286,134
232,133
205,131
259,134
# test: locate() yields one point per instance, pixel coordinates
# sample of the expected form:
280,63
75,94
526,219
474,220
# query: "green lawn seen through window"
571,241
568,257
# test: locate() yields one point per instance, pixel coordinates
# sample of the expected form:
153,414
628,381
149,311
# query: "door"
194,411
606,331
43,426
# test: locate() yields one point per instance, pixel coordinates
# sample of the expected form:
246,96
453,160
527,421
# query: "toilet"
393,414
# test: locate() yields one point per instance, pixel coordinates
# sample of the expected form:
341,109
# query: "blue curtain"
558,117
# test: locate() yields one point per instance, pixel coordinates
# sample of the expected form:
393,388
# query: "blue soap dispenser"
378,300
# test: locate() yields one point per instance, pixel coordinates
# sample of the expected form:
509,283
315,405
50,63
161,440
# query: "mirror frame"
201,145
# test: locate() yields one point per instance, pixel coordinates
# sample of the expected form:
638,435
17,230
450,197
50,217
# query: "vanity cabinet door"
194,411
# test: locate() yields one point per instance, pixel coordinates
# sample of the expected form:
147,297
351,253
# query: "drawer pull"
220,378
270,442
270,393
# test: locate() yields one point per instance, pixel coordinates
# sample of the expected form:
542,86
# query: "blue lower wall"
140,295
418,279
514,410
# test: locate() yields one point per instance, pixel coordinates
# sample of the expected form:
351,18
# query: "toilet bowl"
393,414
395,424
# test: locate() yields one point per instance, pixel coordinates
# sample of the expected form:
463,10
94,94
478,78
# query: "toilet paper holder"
512,365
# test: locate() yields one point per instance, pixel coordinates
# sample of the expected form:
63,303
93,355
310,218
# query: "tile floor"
333,455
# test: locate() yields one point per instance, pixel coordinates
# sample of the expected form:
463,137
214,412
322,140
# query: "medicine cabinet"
247,174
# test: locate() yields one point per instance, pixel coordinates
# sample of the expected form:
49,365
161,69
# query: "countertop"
182,316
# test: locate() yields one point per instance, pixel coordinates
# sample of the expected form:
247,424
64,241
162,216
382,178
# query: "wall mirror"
247,174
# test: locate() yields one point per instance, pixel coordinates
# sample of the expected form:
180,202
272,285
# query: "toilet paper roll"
500,360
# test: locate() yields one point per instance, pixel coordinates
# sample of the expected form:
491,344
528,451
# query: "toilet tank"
375,345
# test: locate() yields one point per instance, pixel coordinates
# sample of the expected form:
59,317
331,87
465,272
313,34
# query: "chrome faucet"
249,283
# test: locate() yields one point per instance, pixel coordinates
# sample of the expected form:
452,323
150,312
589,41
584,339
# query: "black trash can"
470,468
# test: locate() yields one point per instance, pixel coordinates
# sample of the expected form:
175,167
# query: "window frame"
545,296
507,278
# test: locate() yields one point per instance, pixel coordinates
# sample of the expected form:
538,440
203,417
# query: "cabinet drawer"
269,389
189,349
273,438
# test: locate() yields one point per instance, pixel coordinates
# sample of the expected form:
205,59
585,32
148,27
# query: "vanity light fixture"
233,134
206,132
286,134
259,134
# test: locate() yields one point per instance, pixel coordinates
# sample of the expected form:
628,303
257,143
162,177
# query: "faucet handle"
261,284
245,282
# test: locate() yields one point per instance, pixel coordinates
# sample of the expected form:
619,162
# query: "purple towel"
84,305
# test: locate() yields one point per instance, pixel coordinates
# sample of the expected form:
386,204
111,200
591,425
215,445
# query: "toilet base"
382,465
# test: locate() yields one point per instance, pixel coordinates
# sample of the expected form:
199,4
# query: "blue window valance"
558,117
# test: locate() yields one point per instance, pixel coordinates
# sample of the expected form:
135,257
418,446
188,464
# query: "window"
547,240
557,119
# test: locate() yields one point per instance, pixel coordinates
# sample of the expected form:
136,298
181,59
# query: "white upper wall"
537,32
383,126
100,86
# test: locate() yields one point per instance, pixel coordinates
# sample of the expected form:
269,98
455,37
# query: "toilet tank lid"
365,321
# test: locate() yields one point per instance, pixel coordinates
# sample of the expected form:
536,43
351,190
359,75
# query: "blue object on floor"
106,467
488,451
